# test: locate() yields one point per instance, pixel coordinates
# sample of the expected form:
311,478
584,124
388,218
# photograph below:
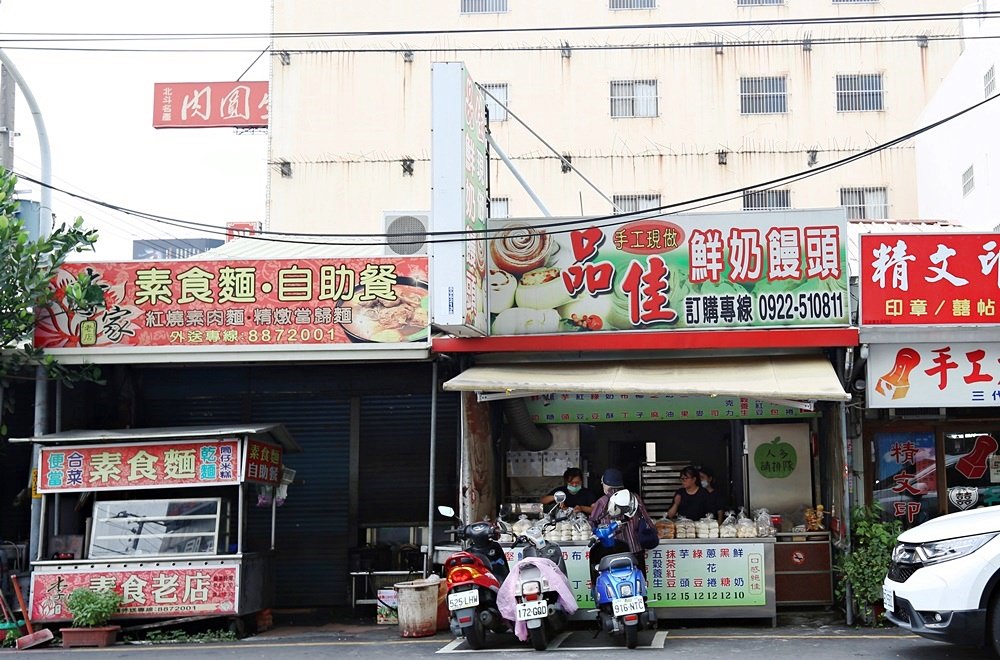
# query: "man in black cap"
628,531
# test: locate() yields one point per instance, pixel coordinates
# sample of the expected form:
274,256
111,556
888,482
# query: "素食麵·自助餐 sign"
239,306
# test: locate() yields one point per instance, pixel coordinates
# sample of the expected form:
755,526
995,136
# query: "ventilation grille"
406,233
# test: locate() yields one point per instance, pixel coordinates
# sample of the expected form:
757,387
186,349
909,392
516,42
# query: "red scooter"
474,575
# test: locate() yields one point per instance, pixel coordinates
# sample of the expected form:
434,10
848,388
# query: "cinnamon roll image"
519,248
502,288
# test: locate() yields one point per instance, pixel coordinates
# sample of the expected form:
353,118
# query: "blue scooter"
619,586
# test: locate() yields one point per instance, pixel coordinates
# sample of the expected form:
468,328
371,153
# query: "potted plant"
863,567
91,612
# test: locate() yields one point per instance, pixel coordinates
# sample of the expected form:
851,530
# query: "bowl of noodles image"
406,318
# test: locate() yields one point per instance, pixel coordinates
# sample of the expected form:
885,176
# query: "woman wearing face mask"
717,500
578,499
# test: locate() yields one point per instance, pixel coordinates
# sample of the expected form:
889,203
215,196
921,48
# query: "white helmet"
623,503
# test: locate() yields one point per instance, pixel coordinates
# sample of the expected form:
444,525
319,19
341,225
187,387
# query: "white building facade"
654,102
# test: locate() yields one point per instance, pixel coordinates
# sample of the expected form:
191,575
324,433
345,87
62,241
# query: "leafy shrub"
92,608
865,565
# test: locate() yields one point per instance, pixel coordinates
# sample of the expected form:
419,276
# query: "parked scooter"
619,586
538,595
474,575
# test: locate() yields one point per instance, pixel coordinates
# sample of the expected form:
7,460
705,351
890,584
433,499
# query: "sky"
97,108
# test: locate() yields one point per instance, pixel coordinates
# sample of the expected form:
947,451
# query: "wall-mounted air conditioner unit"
406,232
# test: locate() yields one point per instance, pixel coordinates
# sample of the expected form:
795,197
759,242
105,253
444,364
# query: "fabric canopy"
798,378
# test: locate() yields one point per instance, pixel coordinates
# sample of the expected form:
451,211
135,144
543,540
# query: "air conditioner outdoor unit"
406,232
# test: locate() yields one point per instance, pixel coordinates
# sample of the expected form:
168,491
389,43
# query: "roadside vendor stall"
180,521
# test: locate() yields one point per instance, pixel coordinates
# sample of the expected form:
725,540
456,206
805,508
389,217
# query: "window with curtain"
634,98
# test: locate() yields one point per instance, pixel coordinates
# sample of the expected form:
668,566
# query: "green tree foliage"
27,268
865,565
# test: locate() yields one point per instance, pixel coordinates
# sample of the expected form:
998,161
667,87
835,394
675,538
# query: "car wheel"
993,624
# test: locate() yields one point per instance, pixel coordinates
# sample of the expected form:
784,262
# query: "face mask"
704,484
573,490
608,490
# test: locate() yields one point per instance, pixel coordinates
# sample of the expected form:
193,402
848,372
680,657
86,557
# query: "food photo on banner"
667,272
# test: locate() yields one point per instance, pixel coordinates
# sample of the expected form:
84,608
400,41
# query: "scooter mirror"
505,510
446,511
559,496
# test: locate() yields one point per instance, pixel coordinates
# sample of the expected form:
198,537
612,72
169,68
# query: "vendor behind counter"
578,498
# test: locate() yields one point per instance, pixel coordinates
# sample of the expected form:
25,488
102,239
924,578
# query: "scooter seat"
619,560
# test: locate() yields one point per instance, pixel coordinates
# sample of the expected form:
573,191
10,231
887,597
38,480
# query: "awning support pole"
429,557
517,175
846,477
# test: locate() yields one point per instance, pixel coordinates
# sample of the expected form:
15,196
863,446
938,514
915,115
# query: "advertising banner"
906,476
139,465
669,272
933,375
263,463
780,469
159,592
211,105
458,200
596,407
929,279
188,306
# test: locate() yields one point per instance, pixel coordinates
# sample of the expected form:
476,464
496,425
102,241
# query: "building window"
859,92
990,82
865,203
635,203
484,6
633,98
968,181
750,3
631,4
760,96
497,108
854,2
765,200
499,207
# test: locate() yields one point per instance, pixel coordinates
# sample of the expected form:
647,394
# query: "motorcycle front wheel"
475,633
538,638
631,636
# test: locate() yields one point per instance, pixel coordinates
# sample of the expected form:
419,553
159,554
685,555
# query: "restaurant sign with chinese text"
138,465
263,464
669,272
211,105
934,375
930,279
596,407
170,307
160,592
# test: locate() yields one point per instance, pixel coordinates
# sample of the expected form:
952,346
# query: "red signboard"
263,463
211,104
138,465
154,593
930,279
202,305
241,229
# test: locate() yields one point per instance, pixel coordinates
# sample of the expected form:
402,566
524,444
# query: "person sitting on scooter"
628,530
578,499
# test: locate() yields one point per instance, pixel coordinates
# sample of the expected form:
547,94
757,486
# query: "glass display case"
151,528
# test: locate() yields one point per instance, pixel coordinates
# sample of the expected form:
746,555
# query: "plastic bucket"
417,608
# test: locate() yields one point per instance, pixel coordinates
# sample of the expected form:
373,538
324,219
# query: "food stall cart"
175,519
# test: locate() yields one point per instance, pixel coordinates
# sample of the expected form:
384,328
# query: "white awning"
781,378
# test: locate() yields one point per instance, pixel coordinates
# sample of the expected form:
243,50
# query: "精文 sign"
670,272
929,279
152,593
191,306
933,375
138,465
211,105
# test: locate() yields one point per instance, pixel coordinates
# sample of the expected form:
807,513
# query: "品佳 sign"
211,105
138,465
263,464
933,375
211,305
692,272
929,279
458,197
151,593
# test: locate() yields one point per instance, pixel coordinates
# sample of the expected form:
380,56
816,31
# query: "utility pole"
6,119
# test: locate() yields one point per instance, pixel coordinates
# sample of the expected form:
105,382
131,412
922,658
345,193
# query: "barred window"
865,203
634,98
499,207
497,111
968,181
859,92
762,200
764,95
854,2
749,3
484,6
635,203
631,4
990,82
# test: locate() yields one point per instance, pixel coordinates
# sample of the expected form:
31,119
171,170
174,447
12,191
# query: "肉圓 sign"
929,279
139,465
933,375
211,105
191,306
671,272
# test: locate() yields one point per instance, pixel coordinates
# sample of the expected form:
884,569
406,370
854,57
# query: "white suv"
944,580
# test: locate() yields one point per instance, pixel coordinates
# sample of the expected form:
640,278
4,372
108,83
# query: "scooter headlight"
626,590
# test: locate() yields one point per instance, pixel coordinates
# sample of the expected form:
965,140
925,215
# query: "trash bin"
417,607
